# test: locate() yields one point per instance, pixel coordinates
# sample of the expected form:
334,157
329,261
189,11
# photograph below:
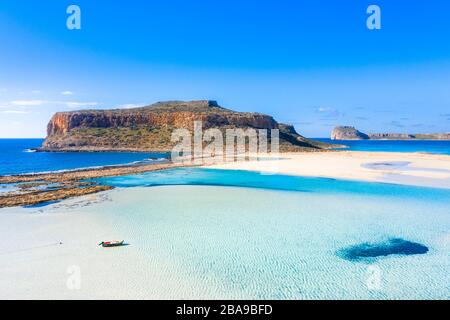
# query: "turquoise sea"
240,234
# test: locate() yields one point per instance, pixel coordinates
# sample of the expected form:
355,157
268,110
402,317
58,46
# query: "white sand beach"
419,169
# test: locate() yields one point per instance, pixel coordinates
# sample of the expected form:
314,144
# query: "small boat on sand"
107,244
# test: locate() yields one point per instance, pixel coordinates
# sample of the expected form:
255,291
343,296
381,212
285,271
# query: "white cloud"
74,104
14,112
130,105
67,93
324,109
328,113
21,104
28,102
36,91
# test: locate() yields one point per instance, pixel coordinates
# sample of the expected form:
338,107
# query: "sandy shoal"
419,169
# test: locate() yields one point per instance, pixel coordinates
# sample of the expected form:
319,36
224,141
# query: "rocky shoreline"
102,149
35,189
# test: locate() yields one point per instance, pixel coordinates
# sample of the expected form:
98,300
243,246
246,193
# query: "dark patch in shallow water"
370,251
42,204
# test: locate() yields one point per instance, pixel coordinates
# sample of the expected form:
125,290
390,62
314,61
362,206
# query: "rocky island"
149,128
347,133
351,133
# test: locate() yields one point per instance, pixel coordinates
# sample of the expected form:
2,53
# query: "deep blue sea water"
16,158
428,146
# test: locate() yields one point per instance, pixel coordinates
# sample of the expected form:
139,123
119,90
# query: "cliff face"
170,115
350,133
149,128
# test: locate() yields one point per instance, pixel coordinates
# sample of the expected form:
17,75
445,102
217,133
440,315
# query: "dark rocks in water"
370,251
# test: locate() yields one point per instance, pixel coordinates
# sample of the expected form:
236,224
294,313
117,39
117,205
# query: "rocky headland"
149,128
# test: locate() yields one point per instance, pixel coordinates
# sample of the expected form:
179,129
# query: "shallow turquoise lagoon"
248,179
236,234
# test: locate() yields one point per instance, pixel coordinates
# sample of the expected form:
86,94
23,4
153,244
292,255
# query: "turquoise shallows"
237,234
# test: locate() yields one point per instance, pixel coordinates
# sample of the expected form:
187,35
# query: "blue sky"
313,64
